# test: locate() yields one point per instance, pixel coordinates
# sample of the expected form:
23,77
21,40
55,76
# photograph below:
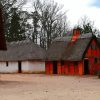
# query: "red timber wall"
67,68
49,67
93,55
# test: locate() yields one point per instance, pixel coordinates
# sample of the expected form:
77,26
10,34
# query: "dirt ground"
46,87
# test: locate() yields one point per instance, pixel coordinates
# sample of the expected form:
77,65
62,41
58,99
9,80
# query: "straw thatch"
65,49
22,50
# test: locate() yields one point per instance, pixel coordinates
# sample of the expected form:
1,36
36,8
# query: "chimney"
76,34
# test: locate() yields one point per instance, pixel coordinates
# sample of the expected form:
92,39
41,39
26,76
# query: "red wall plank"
71,69
47,67
66,68
51,68
63,69
76,70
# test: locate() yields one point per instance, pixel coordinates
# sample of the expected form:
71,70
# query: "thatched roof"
22,50
56,50
69,50
75,51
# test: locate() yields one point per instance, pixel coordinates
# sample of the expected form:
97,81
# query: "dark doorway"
54,67
86,66
19,67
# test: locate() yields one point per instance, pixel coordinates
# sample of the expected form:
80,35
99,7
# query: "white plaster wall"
27,66
33,66
11,68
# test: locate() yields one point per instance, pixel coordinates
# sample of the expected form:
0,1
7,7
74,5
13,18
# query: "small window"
7,63
76,63
95,60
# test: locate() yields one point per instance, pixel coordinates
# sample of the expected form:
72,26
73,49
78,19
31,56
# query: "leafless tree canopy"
87,26
49,22
46,22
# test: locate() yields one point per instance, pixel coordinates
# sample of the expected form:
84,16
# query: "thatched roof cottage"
22,57
76,55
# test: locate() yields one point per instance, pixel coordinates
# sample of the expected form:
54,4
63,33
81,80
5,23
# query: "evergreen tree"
15,32
11,12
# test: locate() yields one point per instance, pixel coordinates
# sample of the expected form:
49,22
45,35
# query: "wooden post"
59,67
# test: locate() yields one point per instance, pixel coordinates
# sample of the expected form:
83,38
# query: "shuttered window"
95,60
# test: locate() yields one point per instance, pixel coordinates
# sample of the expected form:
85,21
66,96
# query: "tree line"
42,25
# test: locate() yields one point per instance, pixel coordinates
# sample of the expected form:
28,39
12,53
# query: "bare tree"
86,25
51,21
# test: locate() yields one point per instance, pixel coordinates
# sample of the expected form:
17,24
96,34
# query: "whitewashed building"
22,57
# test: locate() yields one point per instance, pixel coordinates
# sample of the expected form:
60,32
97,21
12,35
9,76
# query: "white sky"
79,8
76,9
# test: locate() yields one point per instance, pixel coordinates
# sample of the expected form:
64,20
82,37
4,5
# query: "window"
95,60
75,63
7,63
62,63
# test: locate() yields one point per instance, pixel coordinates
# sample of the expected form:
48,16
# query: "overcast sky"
79,8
